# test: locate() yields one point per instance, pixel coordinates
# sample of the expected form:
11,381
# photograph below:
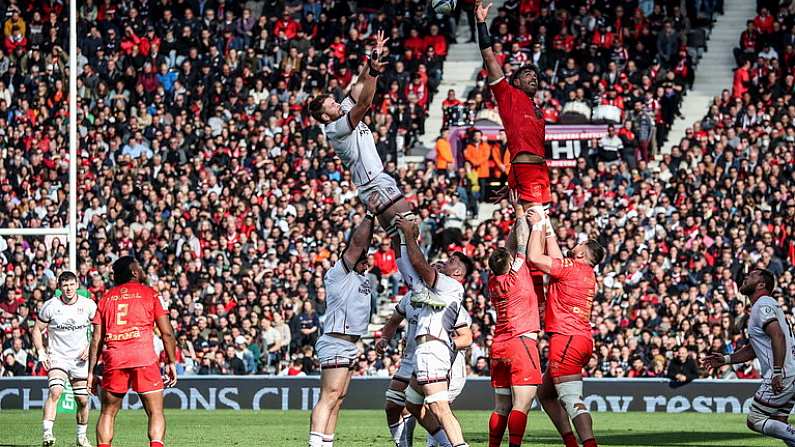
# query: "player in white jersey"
67,319
346,319
772,343
435,342
353,142
401,422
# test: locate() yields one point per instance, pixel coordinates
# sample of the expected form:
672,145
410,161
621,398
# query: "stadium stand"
197,156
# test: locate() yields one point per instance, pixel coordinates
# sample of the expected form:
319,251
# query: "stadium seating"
197,156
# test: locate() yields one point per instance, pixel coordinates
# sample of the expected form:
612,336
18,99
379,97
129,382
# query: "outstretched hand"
376,61
513,197
712,361
482,12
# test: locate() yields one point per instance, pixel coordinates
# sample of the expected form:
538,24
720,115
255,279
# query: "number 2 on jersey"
121,312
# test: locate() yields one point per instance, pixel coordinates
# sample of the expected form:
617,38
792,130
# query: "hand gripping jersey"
127,314
67,326
355,146
348,302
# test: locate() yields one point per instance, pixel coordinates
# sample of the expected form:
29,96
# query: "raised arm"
520,232
742,355
536,254
359,242
367,79
553,249
779,344
417,259
484,41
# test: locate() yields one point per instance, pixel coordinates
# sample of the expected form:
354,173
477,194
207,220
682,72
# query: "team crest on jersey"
766,310
364,288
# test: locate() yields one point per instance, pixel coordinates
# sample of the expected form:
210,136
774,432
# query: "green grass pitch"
358,428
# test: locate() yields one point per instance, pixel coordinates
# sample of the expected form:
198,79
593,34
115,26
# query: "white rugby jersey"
410,313
347,302
765,310
438,323
354,146
67,326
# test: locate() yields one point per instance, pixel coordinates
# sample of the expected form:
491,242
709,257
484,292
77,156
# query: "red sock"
517,421
497,424
589,443
569,440
103,445
156,444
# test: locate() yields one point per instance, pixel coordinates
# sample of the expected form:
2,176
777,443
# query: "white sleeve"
92,309
44,314
338,272
347,104
448,288
339,129
400,307
464,319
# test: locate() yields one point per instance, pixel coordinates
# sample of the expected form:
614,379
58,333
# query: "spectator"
682,369
11,367
478,153
611,146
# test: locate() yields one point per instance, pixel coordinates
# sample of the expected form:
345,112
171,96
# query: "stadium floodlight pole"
72,223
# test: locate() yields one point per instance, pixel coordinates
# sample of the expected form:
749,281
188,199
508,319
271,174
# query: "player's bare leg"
436,397
81,397
522,399
57,381
400,421
111,403
331,425
423,415
498,421
333,384
548,398
153,405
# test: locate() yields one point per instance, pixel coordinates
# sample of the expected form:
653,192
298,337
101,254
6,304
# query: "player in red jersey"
572,284
515,364
123,333
524,128
522,119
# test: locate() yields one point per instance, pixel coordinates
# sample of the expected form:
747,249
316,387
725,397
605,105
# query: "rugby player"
772,342
567,320
436,344
124,335
515,363
67,318
346,319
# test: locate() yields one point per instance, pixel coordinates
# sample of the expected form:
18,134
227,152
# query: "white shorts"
384,185
75,369
775,404
458,378
335,352
405,370
432,362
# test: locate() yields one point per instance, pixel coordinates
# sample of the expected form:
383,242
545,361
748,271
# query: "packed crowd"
197,157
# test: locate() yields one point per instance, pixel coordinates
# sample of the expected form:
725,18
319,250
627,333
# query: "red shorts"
515,362
531,181
568,354
143,379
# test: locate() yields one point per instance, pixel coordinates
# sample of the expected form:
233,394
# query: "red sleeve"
562,268
97,316
157,305
502,93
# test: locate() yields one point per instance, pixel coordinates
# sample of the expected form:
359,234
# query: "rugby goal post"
70,230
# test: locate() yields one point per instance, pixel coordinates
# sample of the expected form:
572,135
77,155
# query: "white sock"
47,425
315,439
408,432
441,438
780,430
82,429
396,430
328,440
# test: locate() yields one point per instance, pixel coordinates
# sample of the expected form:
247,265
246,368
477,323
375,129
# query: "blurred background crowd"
198,157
